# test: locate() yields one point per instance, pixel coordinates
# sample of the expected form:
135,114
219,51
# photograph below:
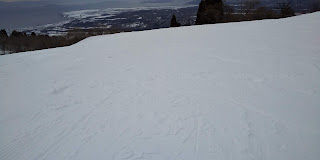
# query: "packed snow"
242,91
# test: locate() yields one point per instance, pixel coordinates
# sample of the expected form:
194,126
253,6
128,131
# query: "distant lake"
15,15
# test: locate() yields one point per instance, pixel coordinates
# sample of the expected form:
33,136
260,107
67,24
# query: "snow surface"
240,91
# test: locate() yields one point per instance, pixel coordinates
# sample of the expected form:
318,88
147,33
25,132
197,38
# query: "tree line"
20,42
217,11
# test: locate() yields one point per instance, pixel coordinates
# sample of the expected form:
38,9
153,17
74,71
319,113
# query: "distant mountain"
157,1
193,2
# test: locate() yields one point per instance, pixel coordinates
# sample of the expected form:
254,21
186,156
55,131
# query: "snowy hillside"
228,91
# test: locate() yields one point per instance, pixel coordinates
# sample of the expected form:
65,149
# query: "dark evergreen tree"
174,22
210,12
3,40
3,33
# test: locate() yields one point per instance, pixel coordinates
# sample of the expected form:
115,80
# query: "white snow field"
244,91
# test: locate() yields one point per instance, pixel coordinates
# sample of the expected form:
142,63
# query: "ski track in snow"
242,91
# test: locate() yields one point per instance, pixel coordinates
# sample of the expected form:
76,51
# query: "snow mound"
228,91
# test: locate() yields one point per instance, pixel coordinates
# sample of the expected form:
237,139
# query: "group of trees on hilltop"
217,11
254,10
20,41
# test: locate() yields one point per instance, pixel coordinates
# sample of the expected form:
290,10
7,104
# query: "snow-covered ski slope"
244,91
